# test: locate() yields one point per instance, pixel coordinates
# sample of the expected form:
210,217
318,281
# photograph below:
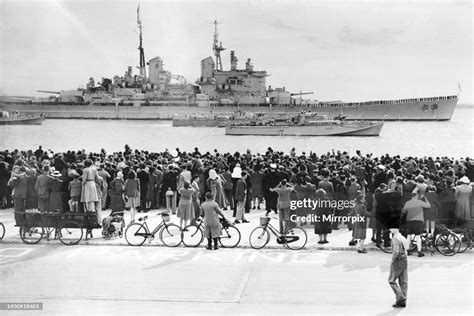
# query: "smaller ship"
305,124
214,120
18,118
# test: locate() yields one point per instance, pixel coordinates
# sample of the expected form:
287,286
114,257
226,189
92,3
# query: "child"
75,187
430,214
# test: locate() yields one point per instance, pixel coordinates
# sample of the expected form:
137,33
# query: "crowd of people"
386,189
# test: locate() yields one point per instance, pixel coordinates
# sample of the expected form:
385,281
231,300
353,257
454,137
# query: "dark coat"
43,186
31,195
20,186
170,180
240,190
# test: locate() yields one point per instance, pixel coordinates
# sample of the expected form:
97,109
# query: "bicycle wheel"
70,233
136,234
259,237
230,237
295,238
170,235
465,241
2,231
192,236
31,234
447,244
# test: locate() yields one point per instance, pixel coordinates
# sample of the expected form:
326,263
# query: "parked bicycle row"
69,228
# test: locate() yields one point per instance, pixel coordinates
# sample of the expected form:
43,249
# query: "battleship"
305,124
161,94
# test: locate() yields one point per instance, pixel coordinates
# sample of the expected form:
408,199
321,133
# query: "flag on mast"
459,87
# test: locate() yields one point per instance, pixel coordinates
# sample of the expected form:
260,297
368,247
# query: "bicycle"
2,231
169,234
40,225
294,238
443,240
193,235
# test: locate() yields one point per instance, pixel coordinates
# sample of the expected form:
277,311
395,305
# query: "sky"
339,50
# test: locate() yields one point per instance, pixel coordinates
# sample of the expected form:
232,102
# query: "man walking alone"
399,268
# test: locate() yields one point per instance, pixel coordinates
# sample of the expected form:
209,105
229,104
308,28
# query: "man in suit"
19,184
241,197
43,188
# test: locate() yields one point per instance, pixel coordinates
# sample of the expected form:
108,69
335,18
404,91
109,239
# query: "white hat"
381,167
464,180
56,174
237,173
213,174
273,165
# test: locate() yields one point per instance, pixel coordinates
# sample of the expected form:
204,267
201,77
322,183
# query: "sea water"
448,138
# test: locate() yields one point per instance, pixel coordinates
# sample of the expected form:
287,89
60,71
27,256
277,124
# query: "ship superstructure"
235,86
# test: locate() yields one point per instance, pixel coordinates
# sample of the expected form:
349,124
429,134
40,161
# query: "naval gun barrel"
45,91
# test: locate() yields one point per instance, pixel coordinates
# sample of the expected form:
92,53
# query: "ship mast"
217,48
140,48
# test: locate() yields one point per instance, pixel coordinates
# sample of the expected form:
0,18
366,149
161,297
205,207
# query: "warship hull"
427,109
344,129
22,121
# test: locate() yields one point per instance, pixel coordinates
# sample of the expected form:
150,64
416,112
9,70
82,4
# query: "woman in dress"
89,190
322,225
463,194
185,206
215,185
256,179
56,196
360,227
132,191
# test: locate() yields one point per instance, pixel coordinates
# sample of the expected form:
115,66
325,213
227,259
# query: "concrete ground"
127,280
93,278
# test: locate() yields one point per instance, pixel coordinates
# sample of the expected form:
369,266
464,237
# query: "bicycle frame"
272,229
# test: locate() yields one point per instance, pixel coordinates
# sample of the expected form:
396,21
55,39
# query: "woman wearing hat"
463,193
56,195
215,185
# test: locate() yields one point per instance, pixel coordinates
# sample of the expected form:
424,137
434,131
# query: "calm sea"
453,138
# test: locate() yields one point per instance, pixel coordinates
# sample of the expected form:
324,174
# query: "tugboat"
18,118
306,124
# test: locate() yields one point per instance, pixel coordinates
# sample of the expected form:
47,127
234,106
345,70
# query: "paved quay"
338,239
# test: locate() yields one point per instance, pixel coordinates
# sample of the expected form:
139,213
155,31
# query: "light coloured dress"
185,207
463,194
89,188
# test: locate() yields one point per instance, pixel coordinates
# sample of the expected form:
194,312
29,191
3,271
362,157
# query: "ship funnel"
248,65
233,60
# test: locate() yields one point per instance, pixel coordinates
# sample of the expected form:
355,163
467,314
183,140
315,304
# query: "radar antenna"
140,48
217,47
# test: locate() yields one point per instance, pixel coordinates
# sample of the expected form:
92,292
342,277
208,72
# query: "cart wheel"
31,234
70,233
